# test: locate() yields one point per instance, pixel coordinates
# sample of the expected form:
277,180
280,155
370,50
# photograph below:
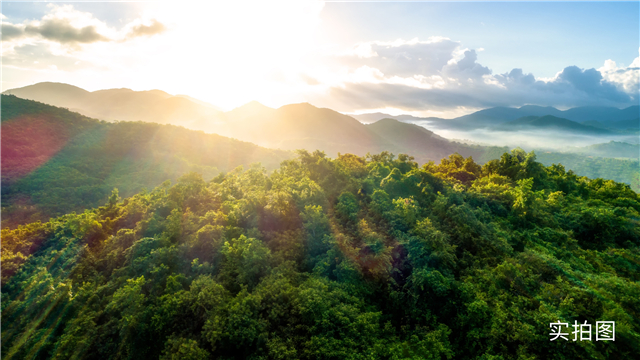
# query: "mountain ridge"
497,115
549,122
120,104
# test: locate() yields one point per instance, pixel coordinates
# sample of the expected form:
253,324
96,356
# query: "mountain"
304,126
610,117
612,149
197,101
601,113
630,124
121,104
55,161
290,127
252,108
370,118
549,122
373,117
413,139
500,115
493,116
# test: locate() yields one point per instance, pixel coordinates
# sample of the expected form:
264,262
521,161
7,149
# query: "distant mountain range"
605,117
121,104
303,126
549,122
161,107
290,127
373,117
631,124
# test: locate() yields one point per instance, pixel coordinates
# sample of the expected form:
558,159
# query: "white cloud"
440,75
625,78
403,58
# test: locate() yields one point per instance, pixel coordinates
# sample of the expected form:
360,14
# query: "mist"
548,139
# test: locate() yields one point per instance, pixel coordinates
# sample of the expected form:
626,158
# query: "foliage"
352,258
621,170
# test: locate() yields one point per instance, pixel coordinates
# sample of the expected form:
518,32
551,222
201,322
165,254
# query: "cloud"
309,80
403,58
61,30
590,82
39,57
382,95
440,75
67,26
625,78
10,31
154,28
466,68
516,78
66,40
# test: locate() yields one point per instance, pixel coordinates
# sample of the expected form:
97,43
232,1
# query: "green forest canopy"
352,258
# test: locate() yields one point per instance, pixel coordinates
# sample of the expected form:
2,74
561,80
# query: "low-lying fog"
548,139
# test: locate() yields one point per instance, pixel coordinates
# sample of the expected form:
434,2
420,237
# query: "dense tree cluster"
352,258
626,170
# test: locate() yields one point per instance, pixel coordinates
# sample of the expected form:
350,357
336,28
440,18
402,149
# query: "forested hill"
352,258
55,161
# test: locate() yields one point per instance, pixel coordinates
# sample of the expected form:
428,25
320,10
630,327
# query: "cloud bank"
67,26
440,75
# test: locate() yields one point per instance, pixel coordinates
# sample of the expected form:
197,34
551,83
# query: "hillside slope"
304,126
413,139
55,161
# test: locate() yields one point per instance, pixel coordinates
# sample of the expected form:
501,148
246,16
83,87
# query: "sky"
442,59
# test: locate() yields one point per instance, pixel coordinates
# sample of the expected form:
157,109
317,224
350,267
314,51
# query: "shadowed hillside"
55,161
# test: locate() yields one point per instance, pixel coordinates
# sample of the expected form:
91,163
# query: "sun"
230,53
